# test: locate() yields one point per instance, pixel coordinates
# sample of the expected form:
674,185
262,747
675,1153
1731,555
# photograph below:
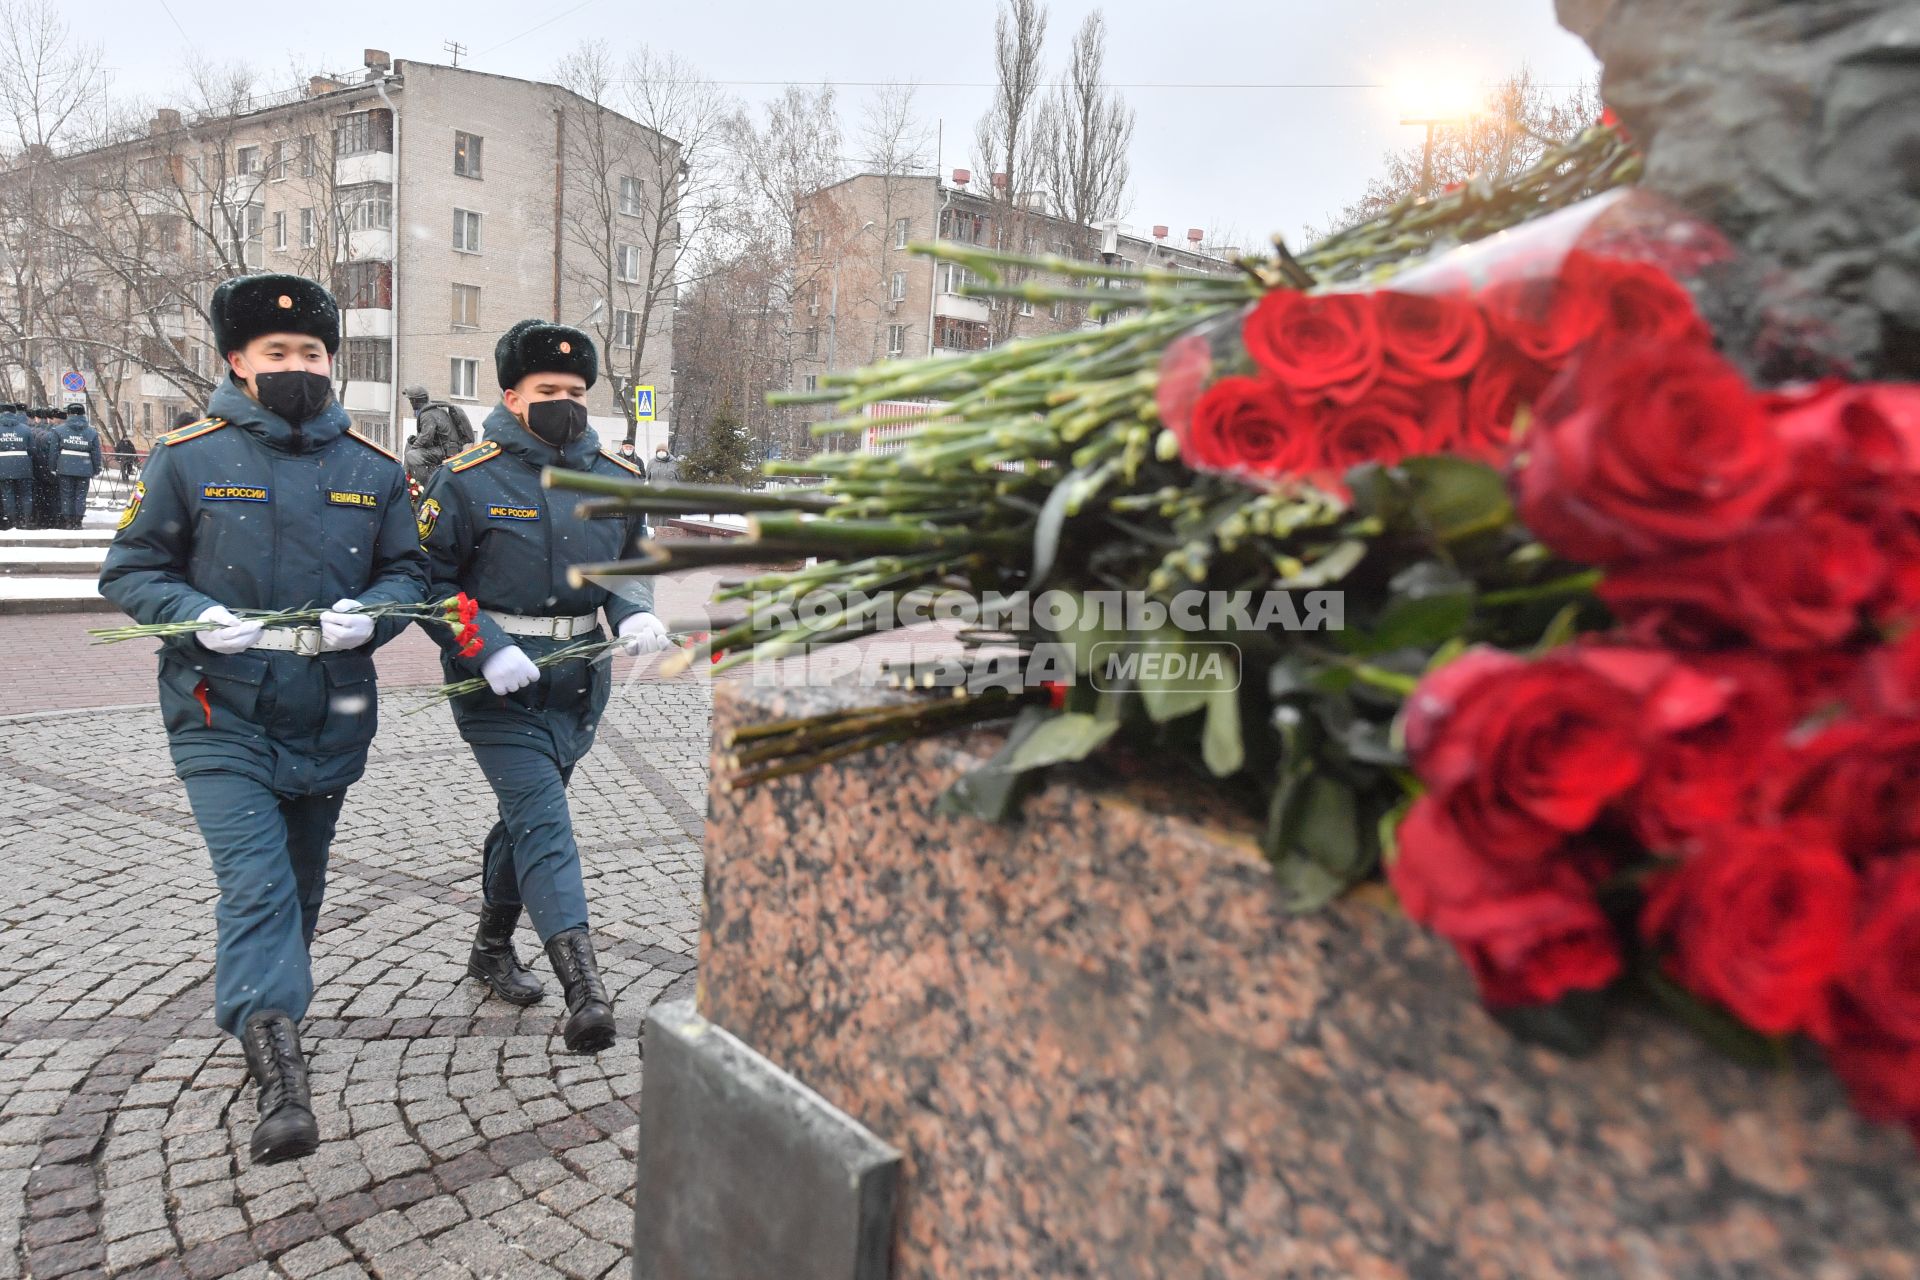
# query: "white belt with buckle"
559,628
304,641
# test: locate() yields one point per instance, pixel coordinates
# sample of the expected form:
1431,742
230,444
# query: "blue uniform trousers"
270,860
73,498
16,502
531,859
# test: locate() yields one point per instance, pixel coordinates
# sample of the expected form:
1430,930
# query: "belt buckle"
563,628
306,641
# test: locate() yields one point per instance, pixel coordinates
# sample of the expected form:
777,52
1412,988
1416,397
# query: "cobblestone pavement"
458,1135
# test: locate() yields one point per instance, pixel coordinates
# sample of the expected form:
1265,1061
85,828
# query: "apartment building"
861,297
440,204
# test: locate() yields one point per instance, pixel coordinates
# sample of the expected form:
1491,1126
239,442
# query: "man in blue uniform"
490,530
16,468
271,502
46,490
76,461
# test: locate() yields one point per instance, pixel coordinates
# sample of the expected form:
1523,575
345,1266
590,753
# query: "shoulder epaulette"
473,457
193,431
619,461
372,444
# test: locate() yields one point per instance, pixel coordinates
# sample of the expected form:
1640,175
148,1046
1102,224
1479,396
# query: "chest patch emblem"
347,498
499,512
133,504
234,493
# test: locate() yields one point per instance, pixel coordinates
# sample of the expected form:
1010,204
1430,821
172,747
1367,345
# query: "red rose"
1388,424
1758,921
1859,778
1842,433
1882,1078
1546,317
1639,452
1522,754
1529,939
1243,424
1719,721
1787,585
1874,1037
1505,383
1316,345
1891,683
1428,338
1645,304
1184,371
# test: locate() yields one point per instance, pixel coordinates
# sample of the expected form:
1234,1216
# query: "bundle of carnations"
1628,723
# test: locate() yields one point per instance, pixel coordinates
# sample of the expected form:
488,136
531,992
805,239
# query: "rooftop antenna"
455,48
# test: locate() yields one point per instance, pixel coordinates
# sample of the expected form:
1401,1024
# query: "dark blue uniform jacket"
75,446
245,511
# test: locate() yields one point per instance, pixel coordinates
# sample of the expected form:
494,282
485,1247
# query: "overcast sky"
1221,156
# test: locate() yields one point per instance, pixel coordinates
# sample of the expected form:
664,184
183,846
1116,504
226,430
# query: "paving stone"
314,1257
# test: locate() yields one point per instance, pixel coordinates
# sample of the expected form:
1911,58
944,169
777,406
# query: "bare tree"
1519,122
1005,138
1084,133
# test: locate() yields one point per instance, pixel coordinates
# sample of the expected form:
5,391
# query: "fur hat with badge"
539,346
249,307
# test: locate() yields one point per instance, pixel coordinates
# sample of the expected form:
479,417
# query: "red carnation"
1429,338
1642,451
1243,424
1528,937
1759,921
1521,754
1324,345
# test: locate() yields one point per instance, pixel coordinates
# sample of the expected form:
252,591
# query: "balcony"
367,166
368,244
952,306
367,322
368,397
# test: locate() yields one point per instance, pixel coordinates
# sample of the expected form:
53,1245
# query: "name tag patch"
343,498
233,493
497,512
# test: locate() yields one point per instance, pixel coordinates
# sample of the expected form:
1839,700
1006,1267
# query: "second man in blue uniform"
490,531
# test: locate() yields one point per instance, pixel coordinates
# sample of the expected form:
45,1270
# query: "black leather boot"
589,1007
286,1130
494,961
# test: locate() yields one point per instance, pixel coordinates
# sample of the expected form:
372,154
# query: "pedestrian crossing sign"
643,404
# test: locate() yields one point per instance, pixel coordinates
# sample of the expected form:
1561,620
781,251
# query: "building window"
466,230
466,306
819,243
249,234
630,196
367,284
628,262
813,342
960,335
282,163
954,277
1026,307
902,229
466,154
366,207
626,328
813,382
246,161
464,381
968,228
307,166
280,231
366,360
359,132
896,339
309,231
899,290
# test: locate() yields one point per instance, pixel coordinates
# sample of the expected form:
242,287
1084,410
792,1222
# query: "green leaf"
1305,884
1574,1025
1328,827
1430,605
1169,701
992,792
1047,526
1064,737
1221,745
1457,498
1562,629
1336,564
1722,1031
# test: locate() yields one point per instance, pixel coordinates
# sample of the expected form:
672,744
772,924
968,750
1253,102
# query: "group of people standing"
273,501
48,458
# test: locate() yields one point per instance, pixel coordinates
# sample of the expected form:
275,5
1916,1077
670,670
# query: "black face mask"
557,422
294,394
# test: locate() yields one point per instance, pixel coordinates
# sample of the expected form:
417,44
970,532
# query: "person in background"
272,502
16,467
630,455
125,455
440,431
46,488
77,460
665,468
492,531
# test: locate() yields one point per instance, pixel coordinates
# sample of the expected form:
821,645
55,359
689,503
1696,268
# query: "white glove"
509,670
232,636
342,628
644,633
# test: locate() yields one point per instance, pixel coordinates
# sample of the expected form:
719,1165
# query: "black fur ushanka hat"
539,346
246,307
